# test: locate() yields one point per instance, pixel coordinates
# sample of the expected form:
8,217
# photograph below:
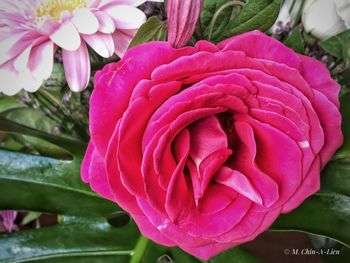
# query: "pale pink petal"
102,43
126,17
41,62
66,37
9,79
121,42
48,26
109,3
106,23
85,21
6,47
14,81
77,67
21,61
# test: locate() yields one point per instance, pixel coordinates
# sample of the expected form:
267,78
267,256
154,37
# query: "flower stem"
218,12
139,250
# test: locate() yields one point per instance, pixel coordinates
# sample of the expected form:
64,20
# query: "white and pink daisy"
32,30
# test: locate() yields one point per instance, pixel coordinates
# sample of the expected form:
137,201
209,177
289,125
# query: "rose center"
54,8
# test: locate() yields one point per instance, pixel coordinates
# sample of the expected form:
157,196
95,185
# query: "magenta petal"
98,177
264,47
77,67
238,182
206,137
86,162
317,75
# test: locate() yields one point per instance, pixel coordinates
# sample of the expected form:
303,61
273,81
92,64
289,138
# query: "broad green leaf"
75,147
147,251
327,212
36,119
86,259
330,250
92,239
344,151
295,41
339,46
152,30
42,184
214,18
236,255
155,253
9,103
256,14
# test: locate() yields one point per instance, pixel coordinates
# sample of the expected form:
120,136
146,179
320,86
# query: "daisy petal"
41,61
10,82
21,61
85,21
66,37
77,67
108,3
121,42
106,24
102,43
126,17
6,47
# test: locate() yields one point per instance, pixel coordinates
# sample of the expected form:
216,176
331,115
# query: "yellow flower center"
54,8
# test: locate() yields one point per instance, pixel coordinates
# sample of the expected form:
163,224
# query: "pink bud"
182,19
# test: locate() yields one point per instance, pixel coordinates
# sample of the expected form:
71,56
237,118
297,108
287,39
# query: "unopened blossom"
182,20
286,17
326,18
32,30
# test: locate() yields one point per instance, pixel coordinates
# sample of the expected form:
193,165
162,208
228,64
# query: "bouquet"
184,131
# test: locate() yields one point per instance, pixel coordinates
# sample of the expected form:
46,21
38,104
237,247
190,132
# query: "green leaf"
256,14
327,212
147,251
75,147
295,41
43,184
9,103
339,46
92,239
36,119
236,255
152,30
344,151
215,16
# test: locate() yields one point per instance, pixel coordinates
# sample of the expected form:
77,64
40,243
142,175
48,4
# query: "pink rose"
205,146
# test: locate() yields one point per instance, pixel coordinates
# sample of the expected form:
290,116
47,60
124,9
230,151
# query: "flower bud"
182,19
